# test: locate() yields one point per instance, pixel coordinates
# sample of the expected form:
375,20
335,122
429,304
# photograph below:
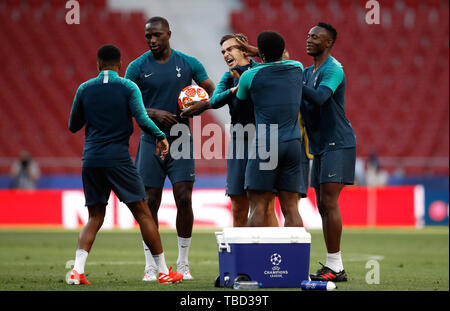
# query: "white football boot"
150,275
184,269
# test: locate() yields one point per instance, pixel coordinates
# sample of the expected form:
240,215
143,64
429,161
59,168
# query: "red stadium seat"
14,4
276,4
252,4
100,4
412,4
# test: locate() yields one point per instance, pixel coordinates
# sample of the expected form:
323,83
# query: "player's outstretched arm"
317,96
332,77
196,109
222,94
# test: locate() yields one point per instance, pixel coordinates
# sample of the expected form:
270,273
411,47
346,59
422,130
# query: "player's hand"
196,108
249,50
234,90
162,147
162,116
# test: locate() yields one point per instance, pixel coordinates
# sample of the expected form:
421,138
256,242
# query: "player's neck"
320,59
112,68
244,62
164,56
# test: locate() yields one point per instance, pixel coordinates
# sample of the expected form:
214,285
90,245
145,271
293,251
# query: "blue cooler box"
275,257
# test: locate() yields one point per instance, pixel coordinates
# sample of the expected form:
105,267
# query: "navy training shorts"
336,166
123,180
286,176
153,170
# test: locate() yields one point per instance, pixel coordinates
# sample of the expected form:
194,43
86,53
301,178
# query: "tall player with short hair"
105,105
241,115
161,74
332,141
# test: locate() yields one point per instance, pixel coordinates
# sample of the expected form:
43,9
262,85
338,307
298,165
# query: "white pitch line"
93,263
361,257
99,263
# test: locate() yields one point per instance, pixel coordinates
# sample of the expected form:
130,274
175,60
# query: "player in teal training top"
161,74
105,106
275,90
332,142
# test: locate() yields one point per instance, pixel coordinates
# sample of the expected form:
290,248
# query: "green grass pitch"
35,260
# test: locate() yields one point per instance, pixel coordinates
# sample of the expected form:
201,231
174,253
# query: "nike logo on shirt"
148,75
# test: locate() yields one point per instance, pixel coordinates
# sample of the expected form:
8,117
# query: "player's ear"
169,33
98,67
120,65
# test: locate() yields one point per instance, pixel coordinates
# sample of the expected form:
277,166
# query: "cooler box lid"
241,235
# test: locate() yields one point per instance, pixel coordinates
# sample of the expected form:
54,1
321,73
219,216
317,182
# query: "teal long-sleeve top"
241,112
105,106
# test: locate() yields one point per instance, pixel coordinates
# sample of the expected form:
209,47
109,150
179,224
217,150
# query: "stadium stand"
45,61
397,97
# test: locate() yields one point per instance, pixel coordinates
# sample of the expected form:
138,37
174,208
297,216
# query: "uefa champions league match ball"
190,94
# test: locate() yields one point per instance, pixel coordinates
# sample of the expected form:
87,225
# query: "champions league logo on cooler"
275,259
276,271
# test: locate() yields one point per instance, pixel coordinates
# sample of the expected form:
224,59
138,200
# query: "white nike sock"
80,260
183,250
149,261
334,262
160,261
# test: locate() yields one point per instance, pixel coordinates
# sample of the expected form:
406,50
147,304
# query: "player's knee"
154,196
239,211
153,203
239,205
97,214
143,216
240,218
183,201
96,220
326,205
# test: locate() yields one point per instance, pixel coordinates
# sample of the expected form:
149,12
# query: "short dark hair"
108,55
271,44
159,19
239,36
331,30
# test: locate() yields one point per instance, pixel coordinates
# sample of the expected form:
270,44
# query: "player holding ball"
161,74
